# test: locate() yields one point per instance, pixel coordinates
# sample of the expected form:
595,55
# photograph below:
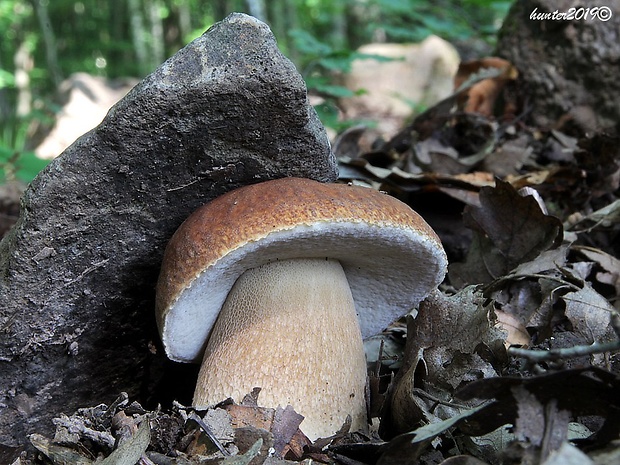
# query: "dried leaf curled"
509,230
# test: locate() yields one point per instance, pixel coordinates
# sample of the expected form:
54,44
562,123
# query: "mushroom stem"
274,315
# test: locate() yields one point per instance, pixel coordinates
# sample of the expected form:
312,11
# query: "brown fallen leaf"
481,97
246,457
544,426
509,229
582,391
590,315
245,415
459,145
509,157
407,448
609,273
285,426
516,333
288,440
449,343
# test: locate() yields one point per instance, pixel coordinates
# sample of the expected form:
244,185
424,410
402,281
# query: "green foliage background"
44,41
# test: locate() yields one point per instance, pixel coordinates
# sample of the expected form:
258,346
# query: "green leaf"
308,44
6,79
334,91
23,166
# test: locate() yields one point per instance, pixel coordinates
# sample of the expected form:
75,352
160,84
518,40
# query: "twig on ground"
570,352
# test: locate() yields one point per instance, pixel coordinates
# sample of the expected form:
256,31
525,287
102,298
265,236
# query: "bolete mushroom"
264,283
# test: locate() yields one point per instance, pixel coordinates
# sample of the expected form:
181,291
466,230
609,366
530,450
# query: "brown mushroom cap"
390,255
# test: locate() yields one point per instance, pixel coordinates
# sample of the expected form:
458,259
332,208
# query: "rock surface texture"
568,68
77,273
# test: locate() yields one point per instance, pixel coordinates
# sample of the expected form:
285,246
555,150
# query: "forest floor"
513,360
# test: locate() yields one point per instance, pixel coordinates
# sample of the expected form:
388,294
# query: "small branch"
570,352
76,425
437,400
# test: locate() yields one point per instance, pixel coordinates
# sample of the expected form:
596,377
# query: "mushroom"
264,284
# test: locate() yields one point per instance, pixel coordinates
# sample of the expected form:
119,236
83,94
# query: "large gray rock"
77,273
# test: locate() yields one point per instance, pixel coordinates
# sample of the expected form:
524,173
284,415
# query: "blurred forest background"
45,41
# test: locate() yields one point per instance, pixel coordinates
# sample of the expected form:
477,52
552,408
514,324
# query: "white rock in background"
417,76
88,99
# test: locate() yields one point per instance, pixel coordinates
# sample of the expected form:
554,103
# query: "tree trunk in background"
290,23
275,15
185,21
257,9
40,6
5,109
339,27
568,69
356,35
120,30
157,34
220,9
138,35
118,15
23,65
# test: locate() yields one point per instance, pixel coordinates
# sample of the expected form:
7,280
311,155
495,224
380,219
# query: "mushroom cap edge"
391,256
